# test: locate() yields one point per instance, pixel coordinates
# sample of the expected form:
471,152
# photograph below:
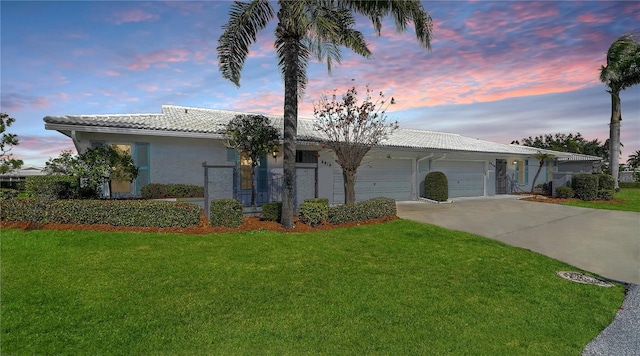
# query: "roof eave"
128,131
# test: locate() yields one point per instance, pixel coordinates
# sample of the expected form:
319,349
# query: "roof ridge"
431,131
214,110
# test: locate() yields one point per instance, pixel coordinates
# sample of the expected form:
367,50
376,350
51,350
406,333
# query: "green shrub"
436,186
153,190
606,194
272,211
52,187
370,209
185,191
26,209
629,184
314,211
226,212
380,207
585,186
606,182
6,193
112,212
564,192
544,188
159,191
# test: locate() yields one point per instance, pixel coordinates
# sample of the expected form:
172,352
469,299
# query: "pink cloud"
112,73
147,87
550,31
34,149
525,11
134,15
594,18
159,58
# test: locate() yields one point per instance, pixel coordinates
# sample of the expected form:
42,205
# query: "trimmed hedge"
157,190
629,184
52,187
272,211
585,186
7,193
314,211
564,192
137,213
366,210
606,194
226,212
606,182
436,186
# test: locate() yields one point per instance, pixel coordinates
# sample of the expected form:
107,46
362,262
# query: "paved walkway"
604,242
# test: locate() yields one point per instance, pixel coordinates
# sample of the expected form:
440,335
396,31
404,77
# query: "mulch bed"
250,224
547,199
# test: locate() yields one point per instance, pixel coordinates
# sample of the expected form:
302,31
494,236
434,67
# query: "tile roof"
211,121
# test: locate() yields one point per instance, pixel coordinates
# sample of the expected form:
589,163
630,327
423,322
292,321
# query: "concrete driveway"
604,242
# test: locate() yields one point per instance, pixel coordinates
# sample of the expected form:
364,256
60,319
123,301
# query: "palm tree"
621,72
634,160
308,28
541,157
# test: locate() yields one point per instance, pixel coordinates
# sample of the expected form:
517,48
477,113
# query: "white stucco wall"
172,159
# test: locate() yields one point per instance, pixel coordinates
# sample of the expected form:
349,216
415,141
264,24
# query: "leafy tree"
95,167
566,143
7,162
541,157
352,128
621,72
634,160
307,28
254,136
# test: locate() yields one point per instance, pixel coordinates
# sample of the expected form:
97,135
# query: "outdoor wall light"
515,162
274,153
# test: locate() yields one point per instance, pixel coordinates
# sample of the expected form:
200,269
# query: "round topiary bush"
436,186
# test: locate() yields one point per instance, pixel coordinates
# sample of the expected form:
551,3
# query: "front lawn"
628,199
394,288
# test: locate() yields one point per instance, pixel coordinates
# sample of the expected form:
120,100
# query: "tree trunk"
614,137
349,178
291,66
253,184
535,178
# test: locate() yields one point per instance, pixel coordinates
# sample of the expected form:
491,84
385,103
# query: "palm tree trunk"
291,65
535,178
349,178
253,184
614,137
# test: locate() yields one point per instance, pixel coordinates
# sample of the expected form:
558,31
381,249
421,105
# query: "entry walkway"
604,242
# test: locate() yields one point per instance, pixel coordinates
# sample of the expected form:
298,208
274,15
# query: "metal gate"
501,176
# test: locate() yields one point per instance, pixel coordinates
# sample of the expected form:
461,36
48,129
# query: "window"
121,186
306,157
522,172
245,171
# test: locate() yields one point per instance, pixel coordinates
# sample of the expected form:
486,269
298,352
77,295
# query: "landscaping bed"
203,227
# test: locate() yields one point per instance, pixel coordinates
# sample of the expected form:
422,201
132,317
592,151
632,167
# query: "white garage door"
465,178
389,178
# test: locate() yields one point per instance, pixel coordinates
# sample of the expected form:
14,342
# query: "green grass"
395,288
629,196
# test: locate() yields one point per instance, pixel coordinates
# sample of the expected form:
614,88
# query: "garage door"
465,178
389,178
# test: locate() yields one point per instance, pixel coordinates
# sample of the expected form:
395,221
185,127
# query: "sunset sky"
498,70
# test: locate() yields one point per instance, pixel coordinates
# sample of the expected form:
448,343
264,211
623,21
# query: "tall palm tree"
621,72
307,28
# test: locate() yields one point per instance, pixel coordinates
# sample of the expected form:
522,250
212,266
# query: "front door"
501,176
